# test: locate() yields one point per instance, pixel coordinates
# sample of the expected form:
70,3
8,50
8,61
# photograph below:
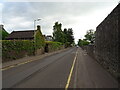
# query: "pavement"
72,68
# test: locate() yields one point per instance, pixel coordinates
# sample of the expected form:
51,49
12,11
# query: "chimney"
38,27
1,27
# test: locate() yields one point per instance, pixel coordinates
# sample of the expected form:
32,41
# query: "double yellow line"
71,71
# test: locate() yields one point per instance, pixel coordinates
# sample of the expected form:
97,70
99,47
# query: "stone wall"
90,50
107,41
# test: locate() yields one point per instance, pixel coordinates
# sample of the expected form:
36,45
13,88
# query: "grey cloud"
45,9
66,13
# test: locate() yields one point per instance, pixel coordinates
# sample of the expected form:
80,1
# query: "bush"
3,34
39,40
83,43
14,49
53,46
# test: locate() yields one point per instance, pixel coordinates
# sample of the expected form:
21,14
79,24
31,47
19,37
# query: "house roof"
28,34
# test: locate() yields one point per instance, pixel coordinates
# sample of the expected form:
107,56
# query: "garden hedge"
14,49
54,46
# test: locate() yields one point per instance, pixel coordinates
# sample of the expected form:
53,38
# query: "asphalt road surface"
55,71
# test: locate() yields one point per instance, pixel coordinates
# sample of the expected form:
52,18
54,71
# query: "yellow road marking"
71,71
11,66
7,67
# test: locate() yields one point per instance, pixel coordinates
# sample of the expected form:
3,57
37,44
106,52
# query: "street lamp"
35,30
35,23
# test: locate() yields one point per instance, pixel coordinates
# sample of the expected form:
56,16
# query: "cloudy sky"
81,16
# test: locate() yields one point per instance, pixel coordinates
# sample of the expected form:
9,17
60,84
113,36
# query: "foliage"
53,46
67,44
16,49
69,35
3,34
57,33
65,36
83,42
39,40
90,36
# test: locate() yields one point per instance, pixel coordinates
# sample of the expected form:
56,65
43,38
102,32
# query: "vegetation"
89,38
69,38
58,34
16,49
65,36
53,46
39,40
83,42
3,34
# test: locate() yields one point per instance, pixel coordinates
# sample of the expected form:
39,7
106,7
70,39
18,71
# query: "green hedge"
12,50
15,49
53,46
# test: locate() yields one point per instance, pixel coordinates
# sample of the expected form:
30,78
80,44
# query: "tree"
70,36
65,36
82,42
58,33
90,36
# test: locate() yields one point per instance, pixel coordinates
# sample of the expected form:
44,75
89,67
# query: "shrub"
83,43
39,40
14,49
53,46
3,34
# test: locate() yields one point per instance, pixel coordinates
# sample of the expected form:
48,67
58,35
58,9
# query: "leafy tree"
70,36
83,42
90,36
65,36
58,34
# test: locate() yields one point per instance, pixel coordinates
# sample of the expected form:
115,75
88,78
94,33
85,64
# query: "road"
72,68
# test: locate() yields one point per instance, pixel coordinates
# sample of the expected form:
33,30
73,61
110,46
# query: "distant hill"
3,33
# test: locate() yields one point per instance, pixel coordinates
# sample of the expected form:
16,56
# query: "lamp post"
35,24
34,33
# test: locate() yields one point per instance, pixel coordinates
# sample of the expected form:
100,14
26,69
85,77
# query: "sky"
80,16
